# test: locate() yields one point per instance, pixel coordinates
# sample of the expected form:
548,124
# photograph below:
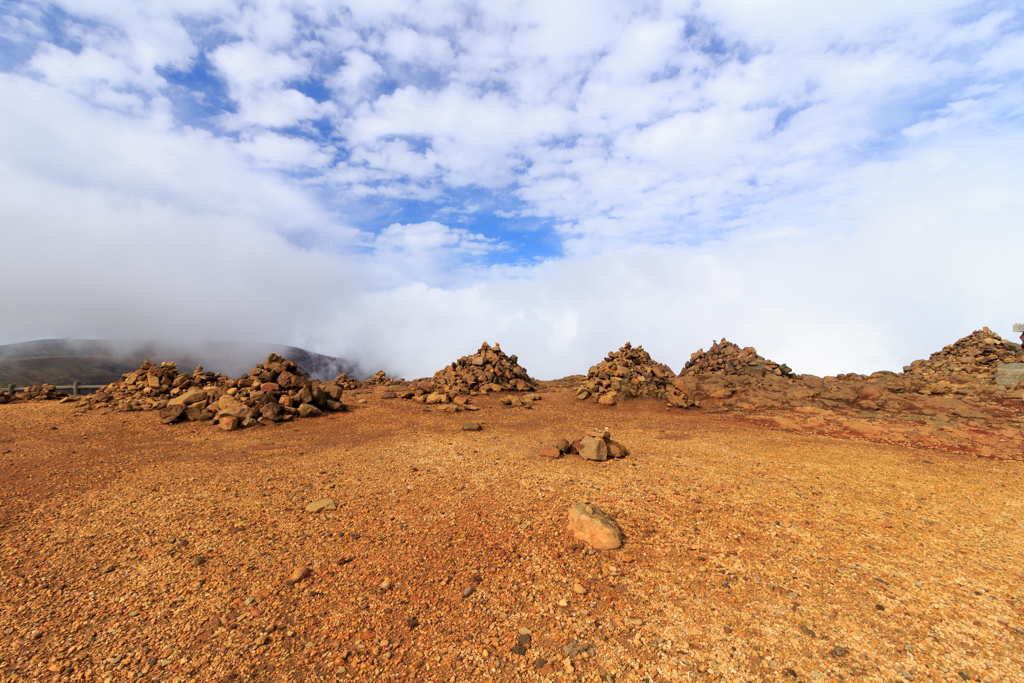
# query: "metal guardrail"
76,388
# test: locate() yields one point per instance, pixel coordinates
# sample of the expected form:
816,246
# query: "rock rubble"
727,358
274,391
489,370
969,359
626,373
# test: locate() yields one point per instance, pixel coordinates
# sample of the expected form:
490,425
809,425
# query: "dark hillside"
63,361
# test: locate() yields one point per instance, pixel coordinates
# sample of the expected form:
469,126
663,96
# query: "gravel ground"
134,550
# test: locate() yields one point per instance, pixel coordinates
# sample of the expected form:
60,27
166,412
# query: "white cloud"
829,183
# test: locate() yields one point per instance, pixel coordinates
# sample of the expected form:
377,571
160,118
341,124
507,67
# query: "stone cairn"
275,391
596,444
36,392
971,359
489,370
626,373
346,382
380,379
727,358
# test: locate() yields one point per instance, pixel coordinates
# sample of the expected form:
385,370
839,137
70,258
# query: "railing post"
74,389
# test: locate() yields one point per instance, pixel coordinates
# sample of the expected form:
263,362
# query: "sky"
839,185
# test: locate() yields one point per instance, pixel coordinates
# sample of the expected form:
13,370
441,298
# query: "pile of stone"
596,445
488,370
973,358
346,382
381,379
626,373
727,358
41,392
275,391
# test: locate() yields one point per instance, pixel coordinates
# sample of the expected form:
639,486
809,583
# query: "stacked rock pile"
971,359
41,392
596,444
381,379
727,358
275,391
488,370
626,373
346,382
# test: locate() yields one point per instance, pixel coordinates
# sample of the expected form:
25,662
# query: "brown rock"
593,448
172,413
309,410
298,574
549,452
229,423
593,526
321,505
472,427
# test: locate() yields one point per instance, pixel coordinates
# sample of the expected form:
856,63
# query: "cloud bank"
397,182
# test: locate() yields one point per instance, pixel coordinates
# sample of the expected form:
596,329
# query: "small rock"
321,505
525,639
412,622
263,639
590,524
298,574
385,585
549,452
472,427
467,591
579,589
198,560
563,603
107,569
525,631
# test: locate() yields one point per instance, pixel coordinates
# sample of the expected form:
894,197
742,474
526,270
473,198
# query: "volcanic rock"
973,358
727,358
593,526
488,370
626,373
275,391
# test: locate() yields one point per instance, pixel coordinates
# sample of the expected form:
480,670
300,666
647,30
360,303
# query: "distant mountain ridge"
101,361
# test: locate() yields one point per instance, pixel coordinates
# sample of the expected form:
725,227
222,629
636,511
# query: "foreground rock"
593,526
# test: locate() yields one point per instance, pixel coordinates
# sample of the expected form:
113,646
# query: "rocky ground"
779,543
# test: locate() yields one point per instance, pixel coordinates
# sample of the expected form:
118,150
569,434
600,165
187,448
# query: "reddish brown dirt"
751,553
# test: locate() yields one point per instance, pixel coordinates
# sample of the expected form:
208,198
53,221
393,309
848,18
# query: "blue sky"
396,182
